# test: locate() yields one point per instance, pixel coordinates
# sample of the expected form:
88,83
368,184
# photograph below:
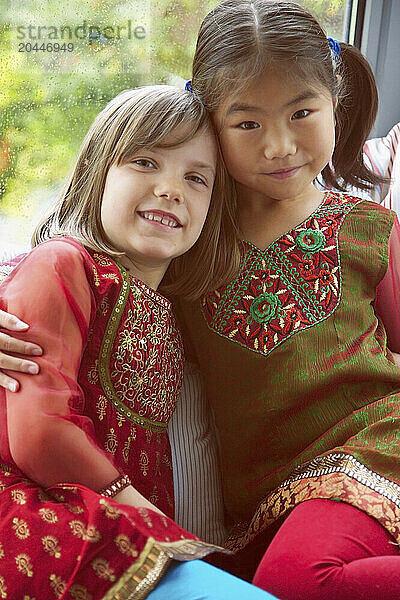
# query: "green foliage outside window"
48,99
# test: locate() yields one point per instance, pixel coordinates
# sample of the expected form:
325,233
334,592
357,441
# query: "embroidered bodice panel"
147,358
292,285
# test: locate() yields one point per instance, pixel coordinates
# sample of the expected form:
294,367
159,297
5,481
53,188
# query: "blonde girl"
86,494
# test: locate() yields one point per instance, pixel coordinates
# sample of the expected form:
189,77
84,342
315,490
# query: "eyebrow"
238,107
201,165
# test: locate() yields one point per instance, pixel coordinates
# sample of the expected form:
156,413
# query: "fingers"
7,382
9,344
18,364
15,364
11,322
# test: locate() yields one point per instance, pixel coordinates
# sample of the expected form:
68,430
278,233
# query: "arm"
387,302
9,344
49,289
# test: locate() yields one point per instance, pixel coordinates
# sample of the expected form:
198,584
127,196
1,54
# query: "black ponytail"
355,116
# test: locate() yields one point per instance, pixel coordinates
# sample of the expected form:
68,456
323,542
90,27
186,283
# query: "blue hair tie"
188,86
335,48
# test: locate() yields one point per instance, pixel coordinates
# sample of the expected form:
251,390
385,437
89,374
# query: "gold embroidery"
43,497
158,464
112,442
120,419
18,496
130,374
79,592
102,569
111,511
111,276
48,515
59,497
76,510
96,276
125,546
1,550
154,496
167,461
59,586
21,528
67,486
93,373
24,564
3,588
144,513
104,306
149,435
101,407
144,462
50,544
126,449
89,534
102,260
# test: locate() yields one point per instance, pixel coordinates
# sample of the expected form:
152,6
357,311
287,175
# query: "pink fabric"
327,550
387,302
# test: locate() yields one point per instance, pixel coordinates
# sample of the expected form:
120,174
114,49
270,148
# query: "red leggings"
328,550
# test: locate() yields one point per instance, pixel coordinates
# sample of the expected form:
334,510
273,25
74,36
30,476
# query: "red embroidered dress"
108,384
305,392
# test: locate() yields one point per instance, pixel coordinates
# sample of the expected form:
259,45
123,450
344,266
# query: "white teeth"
163,220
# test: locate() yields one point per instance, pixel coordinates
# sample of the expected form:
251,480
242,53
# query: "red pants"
327,550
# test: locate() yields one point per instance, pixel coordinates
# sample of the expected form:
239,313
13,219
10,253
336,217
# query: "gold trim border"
142,577
340,462
281,499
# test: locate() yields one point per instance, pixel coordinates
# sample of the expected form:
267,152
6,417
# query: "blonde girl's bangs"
160,118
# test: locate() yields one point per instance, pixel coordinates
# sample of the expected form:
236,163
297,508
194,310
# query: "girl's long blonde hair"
146,117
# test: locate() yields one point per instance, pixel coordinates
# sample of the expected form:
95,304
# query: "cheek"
229,147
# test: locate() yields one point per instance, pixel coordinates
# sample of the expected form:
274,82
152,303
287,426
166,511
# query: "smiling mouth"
284,173
159,218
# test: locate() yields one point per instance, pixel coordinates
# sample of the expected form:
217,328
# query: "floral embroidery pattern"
145,384
292,285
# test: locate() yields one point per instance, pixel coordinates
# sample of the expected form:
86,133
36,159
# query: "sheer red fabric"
42,432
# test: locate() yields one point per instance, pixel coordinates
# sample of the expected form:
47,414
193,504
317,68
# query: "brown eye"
196,179
300,114
249,125
143,162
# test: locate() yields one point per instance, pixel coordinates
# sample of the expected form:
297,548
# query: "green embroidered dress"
305,392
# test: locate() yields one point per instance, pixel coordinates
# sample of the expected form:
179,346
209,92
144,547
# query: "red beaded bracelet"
116,486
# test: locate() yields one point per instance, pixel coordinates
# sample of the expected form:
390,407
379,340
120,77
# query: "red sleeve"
387,302
48,439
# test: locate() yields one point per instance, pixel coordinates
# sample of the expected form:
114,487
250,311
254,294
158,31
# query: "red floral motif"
294,284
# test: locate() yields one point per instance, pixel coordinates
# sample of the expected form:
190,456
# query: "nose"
169,188
279,143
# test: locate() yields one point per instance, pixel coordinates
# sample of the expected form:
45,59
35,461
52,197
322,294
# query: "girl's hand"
14,346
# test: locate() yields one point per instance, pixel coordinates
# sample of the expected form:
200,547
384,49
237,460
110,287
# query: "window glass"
60,62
